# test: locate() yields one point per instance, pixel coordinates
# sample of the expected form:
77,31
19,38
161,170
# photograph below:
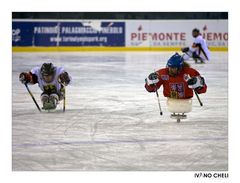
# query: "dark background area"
120,15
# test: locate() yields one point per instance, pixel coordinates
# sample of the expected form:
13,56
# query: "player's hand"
23,78
185,49
152,79
64,78
196,82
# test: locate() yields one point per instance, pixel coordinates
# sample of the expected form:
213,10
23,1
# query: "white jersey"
54,85
203,52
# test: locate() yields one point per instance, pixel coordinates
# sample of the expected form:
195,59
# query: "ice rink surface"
112,123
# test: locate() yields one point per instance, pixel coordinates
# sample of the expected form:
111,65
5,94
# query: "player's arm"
196,44
196,81
192,48
153,82
64,78
28,77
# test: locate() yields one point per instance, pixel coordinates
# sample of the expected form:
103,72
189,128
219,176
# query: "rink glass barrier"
115,35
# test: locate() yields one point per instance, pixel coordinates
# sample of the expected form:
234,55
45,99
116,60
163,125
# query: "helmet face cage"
195,32
173,71
48,72
176,61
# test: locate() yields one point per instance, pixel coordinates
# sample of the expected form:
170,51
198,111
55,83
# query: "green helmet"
47,69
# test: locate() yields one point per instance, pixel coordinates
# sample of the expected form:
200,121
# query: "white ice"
112,123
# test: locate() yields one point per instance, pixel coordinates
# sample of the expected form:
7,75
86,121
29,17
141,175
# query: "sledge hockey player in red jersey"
199,49
178,79
179,82
51,80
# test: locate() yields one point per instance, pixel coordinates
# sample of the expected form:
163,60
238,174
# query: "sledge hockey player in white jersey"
199,50
51,80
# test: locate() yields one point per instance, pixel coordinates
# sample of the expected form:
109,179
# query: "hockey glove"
24,77
64,78
152,79
184,50
196,82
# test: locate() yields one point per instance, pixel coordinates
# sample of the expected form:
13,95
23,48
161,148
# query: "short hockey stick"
32,96
64,98
159,105
199,100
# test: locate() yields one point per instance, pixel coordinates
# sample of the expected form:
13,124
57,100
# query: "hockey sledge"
49,106
198,61
179,108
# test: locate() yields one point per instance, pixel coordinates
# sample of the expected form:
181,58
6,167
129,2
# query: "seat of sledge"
178,108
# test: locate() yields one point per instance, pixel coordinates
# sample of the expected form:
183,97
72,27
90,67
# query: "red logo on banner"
214,36
140,28
140,35
205,28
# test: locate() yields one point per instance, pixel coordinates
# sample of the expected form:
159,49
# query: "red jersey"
176,87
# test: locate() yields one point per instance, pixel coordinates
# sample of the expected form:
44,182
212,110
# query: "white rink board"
175,33
112,123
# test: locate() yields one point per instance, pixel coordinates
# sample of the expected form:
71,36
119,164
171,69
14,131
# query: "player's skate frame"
179,108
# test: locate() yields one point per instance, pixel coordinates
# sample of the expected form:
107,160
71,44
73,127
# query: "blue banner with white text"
63,33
